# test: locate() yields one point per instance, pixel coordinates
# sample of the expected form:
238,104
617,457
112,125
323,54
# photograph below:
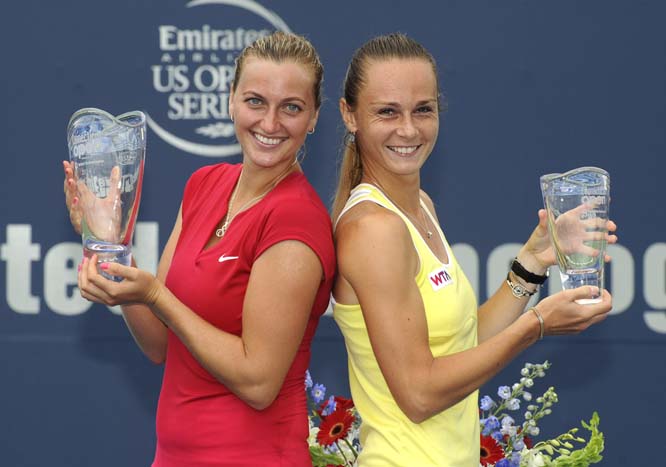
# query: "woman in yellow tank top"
418,348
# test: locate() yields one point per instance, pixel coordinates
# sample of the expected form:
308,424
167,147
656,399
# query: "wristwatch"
529,277
518,290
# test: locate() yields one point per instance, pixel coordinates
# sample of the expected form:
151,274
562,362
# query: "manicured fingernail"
104,266
75,201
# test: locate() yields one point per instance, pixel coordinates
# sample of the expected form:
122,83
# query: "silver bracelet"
541,323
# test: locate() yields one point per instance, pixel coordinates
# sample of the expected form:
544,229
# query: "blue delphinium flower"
503,463
330,406
308,379
318,392
504,392
487,403
519,444
507,420
490,425
514,459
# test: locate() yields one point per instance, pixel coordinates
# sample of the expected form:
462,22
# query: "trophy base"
588,301
575,278
108,253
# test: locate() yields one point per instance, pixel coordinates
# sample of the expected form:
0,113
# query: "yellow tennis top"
388,437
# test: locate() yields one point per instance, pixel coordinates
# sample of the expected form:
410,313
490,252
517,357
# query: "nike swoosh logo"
224,258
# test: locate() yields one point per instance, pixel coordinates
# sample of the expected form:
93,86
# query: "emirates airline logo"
195,69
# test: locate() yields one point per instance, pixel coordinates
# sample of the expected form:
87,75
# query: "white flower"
529,458
513,404
312,437
507,421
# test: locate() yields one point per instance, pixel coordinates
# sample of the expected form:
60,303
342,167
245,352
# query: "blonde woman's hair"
380,48
283,47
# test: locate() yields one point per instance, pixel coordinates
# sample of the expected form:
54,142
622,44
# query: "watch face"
518,290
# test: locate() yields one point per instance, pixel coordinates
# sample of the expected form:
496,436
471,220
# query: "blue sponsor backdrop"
532,87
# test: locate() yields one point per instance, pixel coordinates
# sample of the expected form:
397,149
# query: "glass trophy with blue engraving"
107,155
577,205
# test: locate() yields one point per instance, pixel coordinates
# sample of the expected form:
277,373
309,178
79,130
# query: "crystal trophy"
577,206
107,154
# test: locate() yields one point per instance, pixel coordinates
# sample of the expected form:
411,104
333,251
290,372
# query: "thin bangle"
541,323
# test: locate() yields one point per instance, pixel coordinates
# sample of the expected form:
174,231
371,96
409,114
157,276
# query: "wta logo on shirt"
440,278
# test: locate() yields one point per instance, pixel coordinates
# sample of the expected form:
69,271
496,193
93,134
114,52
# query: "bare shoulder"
367,219
368,229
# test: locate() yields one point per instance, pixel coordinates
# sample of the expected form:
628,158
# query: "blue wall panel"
531,87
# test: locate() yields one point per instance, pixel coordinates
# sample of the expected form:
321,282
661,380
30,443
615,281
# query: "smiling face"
396,119
273,106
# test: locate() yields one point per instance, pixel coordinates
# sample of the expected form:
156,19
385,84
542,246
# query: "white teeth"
265,140
403,149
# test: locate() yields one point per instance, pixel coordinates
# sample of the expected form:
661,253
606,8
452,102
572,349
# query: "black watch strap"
529,277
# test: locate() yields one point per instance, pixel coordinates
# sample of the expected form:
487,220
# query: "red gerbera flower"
491,452
334,426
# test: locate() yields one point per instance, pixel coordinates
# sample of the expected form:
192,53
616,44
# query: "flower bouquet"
334,429
507,444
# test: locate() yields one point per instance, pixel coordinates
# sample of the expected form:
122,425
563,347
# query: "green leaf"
590,453
322,459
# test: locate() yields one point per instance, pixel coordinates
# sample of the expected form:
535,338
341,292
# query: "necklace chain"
423,225
228,218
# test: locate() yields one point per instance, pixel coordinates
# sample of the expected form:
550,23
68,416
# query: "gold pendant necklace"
228,218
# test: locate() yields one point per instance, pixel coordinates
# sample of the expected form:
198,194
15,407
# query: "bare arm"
536,255
148,331
376,257
281,290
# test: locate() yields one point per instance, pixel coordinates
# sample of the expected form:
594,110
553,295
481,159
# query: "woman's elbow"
155,353
157,358
415,407
260,396
419,406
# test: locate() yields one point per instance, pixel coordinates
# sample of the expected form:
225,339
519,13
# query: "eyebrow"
287,99
395,104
